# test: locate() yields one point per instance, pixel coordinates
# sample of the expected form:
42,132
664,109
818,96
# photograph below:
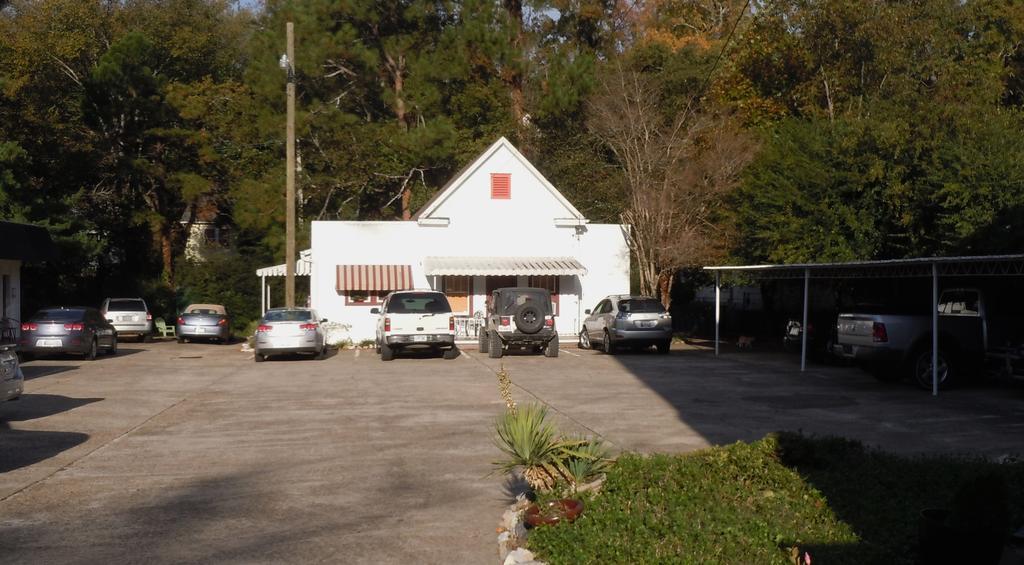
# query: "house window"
501,186
457,289
364,298
549,282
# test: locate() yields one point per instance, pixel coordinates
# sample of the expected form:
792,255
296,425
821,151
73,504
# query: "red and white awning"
374,277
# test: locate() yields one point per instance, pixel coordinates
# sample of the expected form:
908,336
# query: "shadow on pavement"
35,370
21,448
34,406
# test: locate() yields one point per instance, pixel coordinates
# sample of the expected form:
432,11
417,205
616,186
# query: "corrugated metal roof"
303,267
503,266
981,265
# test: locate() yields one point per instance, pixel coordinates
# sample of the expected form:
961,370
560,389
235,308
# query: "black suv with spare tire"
519,317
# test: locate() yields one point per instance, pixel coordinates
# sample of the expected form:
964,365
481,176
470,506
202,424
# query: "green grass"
753,503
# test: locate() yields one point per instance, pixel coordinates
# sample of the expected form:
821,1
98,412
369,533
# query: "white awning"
303,267
461,266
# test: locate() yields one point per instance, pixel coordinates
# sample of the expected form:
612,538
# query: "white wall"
12,268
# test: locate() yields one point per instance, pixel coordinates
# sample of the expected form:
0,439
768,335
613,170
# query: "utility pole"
289,261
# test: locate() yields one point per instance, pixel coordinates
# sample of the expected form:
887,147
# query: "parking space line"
462,353
571,353
357,353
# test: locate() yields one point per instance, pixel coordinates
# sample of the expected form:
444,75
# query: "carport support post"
263,295
803,327
718,307
935,329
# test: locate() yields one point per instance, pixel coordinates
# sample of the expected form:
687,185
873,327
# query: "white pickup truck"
415,319
892,343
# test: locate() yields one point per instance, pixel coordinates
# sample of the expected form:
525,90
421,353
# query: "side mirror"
323,320
587,311
375,310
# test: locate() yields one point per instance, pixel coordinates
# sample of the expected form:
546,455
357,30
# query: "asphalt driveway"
193,453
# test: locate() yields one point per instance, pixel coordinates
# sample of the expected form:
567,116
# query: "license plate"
419,338
126,318
200,330
48,343
646,324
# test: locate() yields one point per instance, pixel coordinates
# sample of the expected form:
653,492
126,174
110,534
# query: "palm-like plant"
589,459
531,442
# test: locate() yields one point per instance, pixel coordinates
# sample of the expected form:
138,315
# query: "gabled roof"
457,181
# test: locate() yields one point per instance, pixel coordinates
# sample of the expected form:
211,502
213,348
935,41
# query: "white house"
497,223
22,243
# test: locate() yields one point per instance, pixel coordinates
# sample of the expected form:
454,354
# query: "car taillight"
451,323
549,321
149,317
878,333
387,324
264,328
29,327
73,327
222,322
308,327
506,320
181,321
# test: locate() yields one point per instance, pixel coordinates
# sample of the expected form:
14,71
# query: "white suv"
415,319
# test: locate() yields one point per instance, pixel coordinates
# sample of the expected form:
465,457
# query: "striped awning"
303,267
503,266
374,277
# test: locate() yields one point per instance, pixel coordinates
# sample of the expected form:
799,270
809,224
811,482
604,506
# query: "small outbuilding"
21,243
497,223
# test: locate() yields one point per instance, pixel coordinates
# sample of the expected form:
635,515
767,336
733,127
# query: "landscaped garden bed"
774,501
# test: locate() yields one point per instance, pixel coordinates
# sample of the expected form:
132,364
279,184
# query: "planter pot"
940,543
554,512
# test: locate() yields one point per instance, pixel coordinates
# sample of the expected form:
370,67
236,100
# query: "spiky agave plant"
590,458
531,442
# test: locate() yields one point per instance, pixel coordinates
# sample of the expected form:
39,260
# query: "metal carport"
934,267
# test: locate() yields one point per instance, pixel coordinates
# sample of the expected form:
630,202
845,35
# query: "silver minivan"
130,316
12,382
625,320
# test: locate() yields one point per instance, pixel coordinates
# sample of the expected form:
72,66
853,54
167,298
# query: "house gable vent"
501,186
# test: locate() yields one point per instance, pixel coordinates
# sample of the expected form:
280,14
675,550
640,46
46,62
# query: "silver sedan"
289,330
12,382
204,321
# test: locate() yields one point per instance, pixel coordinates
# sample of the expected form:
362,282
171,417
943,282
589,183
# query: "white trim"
469,171
434,221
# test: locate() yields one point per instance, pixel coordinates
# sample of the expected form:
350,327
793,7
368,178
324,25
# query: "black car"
519,317
79,330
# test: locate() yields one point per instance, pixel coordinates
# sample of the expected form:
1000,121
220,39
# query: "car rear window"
640,305
126,306
204,311
288,316
509,300
58,315
419,303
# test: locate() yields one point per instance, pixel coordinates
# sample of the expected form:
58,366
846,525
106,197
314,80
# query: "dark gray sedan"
78,330
204,321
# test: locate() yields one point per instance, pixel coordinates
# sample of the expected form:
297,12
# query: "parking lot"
188,452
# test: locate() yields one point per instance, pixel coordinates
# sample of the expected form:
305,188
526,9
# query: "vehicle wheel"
664,347
181,339
91,354
584,340
923,369
26,357
551,349
529,318
482,341
112,350
387,353
377,347
147,338
451,353
494,347
606,345
259,357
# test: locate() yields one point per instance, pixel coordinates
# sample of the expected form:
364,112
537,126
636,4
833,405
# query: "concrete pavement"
193,453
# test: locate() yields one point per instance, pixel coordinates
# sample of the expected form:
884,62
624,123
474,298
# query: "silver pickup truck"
892,345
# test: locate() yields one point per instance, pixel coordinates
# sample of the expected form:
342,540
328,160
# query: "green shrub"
587,461
765,501
368,343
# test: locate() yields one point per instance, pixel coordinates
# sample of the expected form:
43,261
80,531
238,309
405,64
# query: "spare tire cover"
529,318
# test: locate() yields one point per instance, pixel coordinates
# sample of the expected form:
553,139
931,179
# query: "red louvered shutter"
501,186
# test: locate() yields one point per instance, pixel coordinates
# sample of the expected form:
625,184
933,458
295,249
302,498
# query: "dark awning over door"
25,243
